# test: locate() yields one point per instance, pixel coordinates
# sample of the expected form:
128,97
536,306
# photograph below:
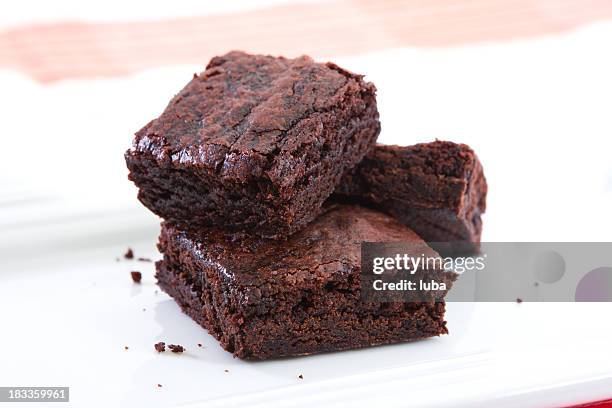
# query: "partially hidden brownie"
254,144
263,299
438,189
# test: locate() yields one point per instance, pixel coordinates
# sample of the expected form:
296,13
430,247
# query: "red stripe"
600,404
51,52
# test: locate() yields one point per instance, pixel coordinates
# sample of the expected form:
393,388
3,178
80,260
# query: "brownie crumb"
301,377
136,276
126,347
129,254
160,347
519,300
199,344
176,348
159,385
141,259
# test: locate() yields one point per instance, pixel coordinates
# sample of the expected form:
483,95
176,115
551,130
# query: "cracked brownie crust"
438,189
263,299
254,143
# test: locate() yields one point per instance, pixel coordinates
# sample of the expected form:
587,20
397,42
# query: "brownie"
438,189
263,299
136,276
176,348
254,144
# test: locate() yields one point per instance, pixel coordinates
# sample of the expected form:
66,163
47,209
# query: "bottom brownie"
265,299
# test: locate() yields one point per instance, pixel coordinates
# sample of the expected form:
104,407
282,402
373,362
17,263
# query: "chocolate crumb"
226,370
160,347
176,348
136,276
301,377
199,344
129,254
159,385
144,259
519,300
126,347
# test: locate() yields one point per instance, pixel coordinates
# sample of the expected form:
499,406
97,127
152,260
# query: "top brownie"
254,144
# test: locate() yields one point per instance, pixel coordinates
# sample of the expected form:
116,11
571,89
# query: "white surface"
537,113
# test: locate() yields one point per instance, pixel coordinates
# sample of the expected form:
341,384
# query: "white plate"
69,308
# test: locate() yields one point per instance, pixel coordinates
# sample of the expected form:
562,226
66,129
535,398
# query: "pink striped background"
50,52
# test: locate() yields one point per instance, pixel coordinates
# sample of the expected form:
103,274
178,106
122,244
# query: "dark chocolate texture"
438,189
263,299
254,144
